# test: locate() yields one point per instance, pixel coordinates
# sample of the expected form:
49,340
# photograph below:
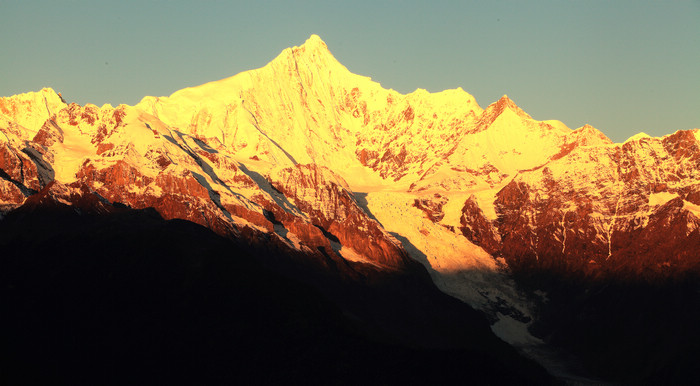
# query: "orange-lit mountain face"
304,155
293,143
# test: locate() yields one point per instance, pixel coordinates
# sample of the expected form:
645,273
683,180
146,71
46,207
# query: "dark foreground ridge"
628,331
128,297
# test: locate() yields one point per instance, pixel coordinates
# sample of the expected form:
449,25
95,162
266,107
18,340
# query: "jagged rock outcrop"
324,197
23,169
28,111
586,210
432,206
478,229
127,157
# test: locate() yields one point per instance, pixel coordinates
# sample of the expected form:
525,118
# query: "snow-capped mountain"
307,156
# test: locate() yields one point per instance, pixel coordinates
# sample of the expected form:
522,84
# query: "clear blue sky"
622,66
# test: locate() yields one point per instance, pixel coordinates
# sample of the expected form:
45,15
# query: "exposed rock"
432,206
591,207
478,229
323,197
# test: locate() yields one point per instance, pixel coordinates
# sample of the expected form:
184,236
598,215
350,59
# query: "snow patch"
351,255
658,199
431,244
71,154
514,332
692,208
637,137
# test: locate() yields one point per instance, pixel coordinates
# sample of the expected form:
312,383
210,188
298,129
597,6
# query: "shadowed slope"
129,297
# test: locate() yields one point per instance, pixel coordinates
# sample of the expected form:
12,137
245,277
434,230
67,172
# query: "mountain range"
370,201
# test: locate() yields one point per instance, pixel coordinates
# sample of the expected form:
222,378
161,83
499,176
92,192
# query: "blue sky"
622,66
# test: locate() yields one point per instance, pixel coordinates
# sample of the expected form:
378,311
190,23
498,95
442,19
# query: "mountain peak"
588,135
506,102
314,41
31,109
497,108
637,137
314,53
313,46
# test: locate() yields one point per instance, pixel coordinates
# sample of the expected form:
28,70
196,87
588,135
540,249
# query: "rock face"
324,197
613,209
125,156
23,168
478,229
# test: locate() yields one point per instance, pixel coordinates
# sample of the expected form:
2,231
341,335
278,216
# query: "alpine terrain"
340,232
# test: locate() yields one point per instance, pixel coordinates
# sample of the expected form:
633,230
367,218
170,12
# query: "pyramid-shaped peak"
505,103
588,135
314,44
314,40
46,92
313,54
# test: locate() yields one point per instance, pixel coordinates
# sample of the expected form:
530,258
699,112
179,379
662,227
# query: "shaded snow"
513,331
692,208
